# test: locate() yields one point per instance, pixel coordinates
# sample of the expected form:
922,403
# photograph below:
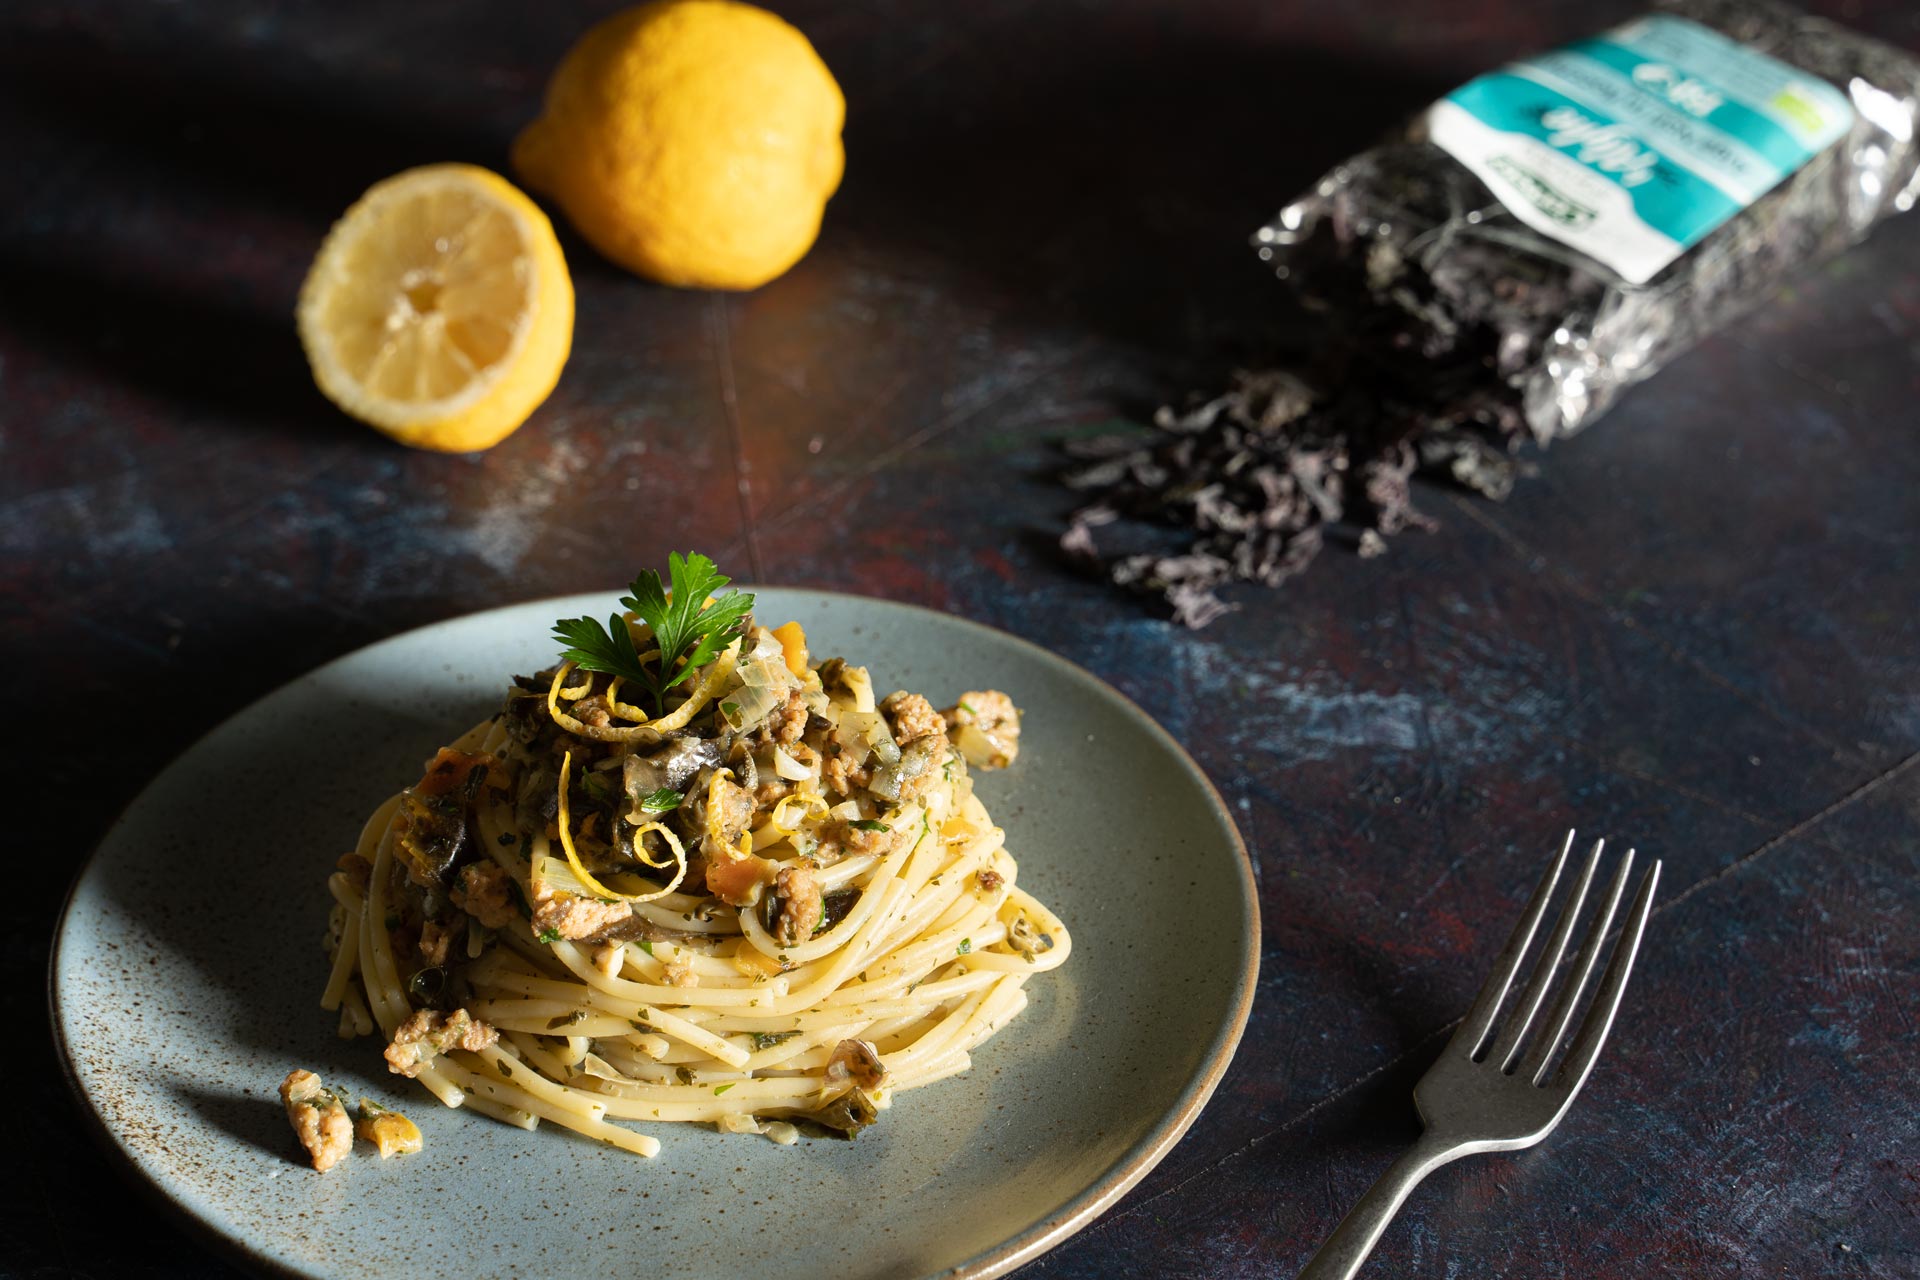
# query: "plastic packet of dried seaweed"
1553,232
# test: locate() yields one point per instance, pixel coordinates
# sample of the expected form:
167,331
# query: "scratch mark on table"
956,417
721,340
1880,780
1768,351
1580,590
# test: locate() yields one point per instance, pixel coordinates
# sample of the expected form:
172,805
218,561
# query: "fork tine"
1560,1020
1479,1020
1514,1030
1613,985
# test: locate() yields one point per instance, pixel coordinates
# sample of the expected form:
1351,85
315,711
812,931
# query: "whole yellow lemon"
695,142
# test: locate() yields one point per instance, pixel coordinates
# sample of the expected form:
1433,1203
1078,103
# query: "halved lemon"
439,309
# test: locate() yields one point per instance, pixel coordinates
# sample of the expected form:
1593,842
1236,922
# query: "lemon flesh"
439,309
695,142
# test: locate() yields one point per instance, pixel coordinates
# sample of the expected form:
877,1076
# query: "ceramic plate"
187,968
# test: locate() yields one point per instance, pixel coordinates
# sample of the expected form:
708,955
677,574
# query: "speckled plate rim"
1022,1248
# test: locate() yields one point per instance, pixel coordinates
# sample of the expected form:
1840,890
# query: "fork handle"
1346,1250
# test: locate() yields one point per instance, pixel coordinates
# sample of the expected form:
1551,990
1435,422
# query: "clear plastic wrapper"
1511,328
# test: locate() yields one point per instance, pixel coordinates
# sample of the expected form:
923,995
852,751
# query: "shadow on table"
176,197
249,127
168,340
1111,177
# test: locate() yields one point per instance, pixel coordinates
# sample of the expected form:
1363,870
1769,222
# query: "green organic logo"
1541,194
1790,103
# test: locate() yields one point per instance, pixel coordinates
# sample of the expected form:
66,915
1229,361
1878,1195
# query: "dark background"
1697,630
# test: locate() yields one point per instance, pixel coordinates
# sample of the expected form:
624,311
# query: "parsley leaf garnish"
592,647
665,800
686,626
869,824
722,1088
688,630
548,935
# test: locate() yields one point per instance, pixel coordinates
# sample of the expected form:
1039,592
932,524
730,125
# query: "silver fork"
1495,1088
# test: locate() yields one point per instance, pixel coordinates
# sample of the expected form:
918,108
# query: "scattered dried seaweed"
1262,474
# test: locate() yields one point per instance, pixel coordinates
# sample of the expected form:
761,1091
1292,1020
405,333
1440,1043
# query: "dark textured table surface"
1697,630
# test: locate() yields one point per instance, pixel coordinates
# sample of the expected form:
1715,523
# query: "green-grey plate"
187,969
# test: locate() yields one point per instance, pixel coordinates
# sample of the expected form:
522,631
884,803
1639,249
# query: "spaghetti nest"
771,906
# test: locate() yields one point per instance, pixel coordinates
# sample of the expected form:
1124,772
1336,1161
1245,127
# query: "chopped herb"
722,1088
641,1024
597,787
869,824
646,946
966,945
768,1039
732,710
505,1070
665,800
688,630
508,838
566,1019
969,710
685,1076
548,935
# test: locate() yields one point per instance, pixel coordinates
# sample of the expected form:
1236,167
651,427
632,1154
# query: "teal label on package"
1633,146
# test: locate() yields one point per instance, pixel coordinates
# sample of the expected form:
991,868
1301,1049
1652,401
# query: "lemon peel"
565,822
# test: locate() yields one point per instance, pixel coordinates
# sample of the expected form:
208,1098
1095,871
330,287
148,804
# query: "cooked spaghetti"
769,902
